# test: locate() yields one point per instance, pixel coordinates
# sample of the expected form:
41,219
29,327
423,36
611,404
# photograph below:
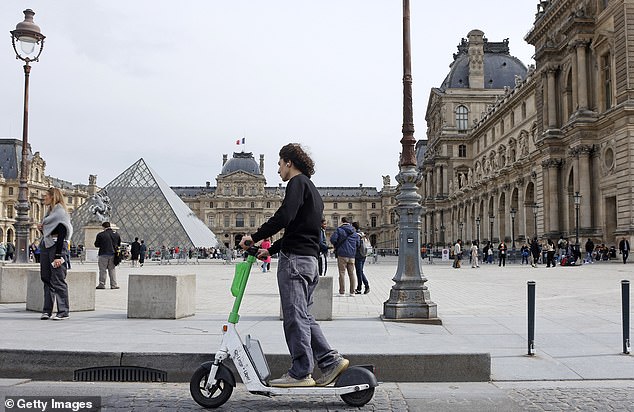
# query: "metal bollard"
531,318
625,303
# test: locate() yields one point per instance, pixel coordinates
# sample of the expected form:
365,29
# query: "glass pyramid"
144,206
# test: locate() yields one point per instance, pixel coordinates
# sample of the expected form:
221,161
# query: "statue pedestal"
90,234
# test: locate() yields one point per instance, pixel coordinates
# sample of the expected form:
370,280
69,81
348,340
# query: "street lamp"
513,211
535,210
491,219
460,226
30,43
577,198
442,235
478,228
437,238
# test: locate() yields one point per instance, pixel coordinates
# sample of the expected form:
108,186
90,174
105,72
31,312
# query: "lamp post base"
410,305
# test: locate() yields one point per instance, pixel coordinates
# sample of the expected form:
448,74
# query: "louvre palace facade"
510,147
241,201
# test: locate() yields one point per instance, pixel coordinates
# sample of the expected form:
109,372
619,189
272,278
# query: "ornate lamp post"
409,297
460,226
577,198
437,238
478,229
535,210
491,219
28,43
513,211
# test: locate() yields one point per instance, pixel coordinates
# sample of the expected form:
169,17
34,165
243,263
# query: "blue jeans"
54,279
358,267
297,277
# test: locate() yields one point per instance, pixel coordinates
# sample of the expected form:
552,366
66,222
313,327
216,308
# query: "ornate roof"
241,161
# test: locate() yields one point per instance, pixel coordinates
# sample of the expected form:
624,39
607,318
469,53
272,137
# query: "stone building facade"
509,147
38,183
240,202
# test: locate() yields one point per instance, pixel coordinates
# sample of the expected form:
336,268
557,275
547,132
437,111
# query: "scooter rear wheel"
216,396
358,398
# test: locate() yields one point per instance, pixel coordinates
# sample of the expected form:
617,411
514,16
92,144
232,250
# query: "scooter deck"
310,390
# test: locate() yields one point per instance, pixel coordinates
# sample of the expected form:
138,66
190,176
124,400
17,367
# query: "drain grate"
119,374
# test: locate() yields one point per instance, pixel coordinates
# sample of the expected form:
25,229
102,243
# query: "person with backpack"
359,260
344,240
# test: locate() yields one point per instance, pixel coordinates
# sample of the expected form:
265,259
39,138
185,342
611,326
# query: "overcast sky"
178,82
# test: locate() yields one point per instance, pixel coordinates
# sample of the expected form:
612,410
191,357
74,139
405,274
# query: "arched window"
268,205
211,205
462,119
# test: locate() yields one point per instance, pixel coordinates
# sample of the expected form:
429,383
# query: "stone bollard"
322,300
13,282
161,296
81,291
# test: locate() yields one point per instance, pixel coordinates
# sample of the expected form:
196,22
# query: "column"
438,181
585,185
520,217
445,179
582,81
552,101
430,180
553,195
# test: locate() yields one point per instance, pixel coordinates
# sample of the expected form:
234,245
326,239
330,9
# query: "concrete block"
322,300
13,282
161,296
81,291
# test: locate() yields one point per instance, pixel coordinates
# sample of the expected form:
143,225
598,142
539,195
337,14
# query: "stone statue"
100,207
461,177
386,180
92,179
470,176
451,186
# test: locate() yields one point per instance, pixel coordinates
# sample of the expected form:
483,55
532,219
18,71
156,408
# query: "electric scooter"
213,382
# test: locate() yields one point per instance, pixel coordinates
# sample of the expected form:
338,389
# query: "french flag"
240,141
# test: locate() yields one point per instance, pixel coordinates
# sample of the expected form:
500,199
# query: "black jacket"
299,216
106,241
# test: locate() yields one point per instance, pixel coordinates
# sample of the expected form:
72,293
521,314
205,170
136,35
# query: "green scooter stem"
238,286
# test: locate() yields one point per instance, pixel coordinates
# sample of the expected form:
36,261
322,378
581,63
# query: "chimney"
224,159
207,184
476,59
262,163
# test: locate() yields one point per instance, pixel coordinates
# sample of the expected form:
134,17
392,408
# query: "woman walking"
56,229
474,254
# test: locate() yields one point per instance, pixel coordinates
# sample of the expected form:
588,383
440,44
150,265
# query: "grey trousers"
297,277
54,279
106,262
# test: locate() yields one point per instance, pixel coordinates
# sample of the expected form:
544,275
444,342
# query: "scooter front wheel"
216,396
358,398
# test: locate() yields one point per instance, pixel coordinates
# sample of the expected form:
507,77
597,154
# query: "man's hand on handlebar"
245,239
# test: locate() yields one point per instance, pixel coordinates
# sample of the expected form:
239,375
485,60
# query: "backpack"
362,247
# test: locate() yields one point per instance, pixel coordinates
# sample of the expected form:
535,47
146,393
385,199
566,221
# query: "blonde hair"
57,197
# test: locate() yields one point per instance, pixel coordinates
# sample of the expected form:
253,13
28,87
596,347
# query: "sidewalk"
578,332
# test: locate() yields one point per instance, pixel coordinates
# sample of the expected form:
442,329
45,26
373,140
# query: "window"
252,221
253,191
70,200
10,211
502,128
210,220
211,205
335,221
523,110
373,206
268,205
462,150
392,218
349,205
373,221
512,118
226,205
606,74
462,119
241,191
226,191
252,205
227,221
239,220
335,205
493,134
10,191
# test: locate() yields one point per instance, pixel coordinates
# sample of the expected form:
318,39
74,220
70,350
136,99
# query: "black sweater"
299,216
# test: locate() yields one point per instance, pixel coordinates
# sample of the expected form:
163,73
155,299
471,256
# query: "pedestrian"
502,248
525,252
550,253
359,260
490,253
10,251
535,252
108,241
474,254
142,252
344,241
297,273
589,251
624,249
3,251
266,262
457,254
56,229
562,247
323,249
135,251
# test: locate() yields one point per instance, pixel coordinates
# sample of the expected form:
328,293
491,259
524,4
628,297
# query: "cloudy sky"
178,82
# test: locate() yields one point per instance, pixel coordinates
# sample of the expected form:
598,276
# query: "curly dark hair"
294,152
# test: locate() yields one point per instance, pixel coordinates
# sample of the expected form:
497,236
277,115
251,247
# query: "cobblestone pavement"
515,396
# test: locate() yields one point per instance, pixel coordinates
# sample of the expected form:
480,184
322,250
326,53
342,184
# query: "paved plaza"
578,337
